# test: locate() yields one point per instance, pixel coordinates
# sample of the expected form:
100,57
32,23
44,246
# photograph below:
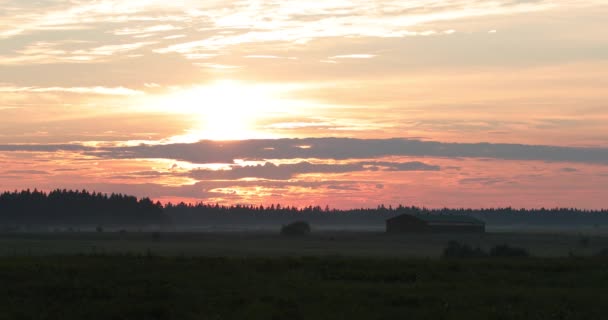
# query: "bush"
458,250
504,250
584,241
156,235
298,228
602,253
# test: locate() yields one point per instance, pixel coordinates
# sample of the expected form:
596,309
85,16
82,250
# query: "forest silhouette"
84,208
72,207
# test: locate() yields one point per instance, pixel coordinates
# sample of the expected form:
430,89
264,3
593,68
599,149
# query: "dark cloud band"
330,148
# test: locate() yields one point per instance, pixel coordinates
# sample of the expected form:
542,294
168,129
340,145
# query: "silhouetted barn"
434,223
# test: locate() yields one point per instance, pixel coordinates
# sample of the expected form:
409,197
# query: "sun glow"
225,110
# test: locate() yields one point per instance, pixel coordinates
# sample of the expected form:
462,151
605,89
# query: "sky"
457,103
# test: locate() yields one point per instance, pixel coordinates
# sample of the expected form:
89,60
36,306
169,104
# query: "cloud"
117,91
273,171
300,124
65,170
403,166
69,51
287,171
353,56
208,190
79,15
345,148
292,18
146,30
217,66
261,56
44,148
299,24
343,188
208,151
482,181
108,50
26,172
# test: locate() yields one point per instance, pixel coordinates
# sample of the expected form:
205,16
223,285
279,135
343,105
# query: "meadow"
153,287
326,275
272,244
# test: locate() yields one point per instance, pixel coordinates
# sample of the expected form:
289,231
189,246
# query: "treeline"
83,208
202,213
70,207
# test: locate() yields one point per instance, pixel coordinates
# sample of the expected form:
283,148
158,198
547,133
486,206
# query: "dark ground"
272,244
327,275
150,287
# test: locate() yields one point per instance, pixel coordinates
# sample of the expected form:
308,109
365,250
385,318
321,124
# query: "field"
264,244
152,287
328,275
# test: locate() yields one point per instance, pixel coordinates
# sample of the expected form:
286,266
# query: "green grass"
149,287
361,244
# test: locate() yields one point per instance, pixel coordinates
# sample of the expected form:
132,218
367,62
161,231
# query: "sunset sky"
458,103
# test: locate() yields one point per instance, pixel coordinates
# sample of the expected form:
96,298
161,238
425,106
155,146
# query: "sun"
224,110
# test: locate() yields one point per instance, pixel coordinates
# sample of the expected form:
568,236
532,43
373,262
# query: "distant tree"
504,250
455,249
156,235
602,253
298,228
584,241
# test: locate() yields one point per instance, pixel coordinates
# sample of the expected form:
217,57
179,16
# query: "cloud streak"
346,148
353,56
228,23
117,91
208,151
287,171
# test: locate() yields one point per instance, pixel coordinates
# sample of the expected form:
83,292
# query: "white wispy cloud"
298,23
74,15
120,91
175,36
285,21
109,50
150,29
217,66
44,52
353,56
261,56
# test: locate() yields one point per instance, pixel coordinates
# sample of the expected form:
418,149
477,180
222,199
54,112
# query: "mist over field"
320,159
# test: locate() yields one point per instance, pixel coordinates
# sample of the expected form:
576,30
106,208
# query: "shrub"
602,253
504,250
584,241
458,250
298,228
156,235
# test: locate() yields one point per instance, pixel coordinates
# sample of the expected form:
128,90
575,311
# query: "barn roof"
443,218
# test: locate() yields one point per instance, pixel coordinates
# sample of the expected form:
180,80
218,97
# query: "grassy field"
151,287
361,244
327,275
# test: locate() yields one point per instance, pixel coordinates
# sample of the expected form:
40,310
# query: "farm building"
434,223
